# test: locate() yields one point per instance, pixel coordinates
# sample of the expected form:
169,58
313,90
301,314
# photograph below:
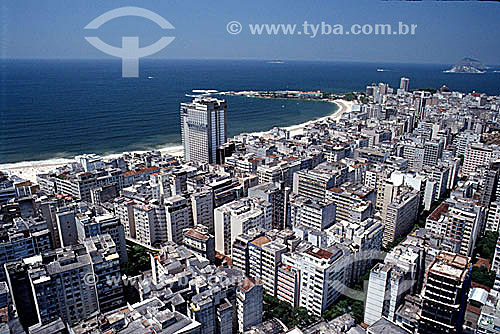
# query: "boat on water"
276,62
380,70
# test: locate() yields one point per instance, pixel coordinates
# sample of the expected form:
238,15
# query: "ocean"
60,108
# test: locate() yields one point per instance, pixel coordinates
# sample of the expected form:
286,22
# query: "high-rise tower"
203,128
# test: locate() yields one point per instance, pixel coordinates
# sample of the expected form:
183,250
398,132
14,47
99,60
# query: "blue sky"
447,31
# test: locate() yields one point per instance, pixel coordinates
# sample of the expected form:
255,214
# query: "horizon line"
237,59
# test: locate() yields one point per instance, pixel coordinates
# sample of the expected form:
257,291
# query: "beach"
344,107
29,169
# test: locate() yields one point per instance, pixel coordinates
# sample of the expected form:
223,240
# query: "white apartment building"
399,275
311,213
323,277
400,215
202,206
147,225
203,128
478,154
238,217
178,217
493,220
459,219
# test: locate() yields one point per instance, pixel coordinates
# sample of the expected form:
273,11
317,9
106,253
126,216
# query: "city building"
323,277
199,241
249,301
401,215
271,193
203,128
89,226
311,213
445,294
404,84
239,217
477,155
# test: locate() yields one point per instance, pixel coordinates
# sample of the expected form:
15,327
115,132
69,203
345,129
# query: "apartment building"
460,219
178,217
323,276
203,128
401,215
478,154
249,301
239,217
315,214
445,294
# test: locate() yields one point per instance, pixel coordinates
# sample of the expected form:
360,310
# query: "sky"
446,31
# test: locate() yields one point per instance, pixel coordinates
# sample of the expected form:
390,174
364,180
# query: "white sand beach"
344,106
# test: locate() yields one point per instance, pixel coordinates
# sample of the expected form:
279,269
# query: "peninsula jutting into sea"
275,231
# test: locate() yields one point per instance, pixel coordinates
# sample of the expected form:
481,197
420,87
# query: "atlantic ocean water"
61,108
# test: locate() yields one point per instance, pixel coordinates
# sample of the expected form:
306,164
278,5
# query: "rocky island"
468,65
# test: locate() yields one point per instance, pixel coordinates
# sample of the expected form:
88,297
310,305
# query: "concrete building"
124,210
353,202
463,139
79,185
61,288
66,225
400,215
493,218
445,294
271,193
271,260
313,183
311,213
90,162
386,327
150,315
323,277
478,154
203,128
404,84
21,239
88,226
178,217
364,239
460,219
270,174
489,321
199,241
107,276
149,223
202,206
239,217
400,274
249,301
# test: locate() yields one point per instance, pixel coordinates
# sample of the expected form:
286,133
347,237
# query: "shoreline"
29,169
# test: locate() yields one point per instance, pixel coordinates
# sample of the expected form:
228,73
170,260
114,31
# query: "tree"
486,245
138,260
345,305
483,276
291,317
